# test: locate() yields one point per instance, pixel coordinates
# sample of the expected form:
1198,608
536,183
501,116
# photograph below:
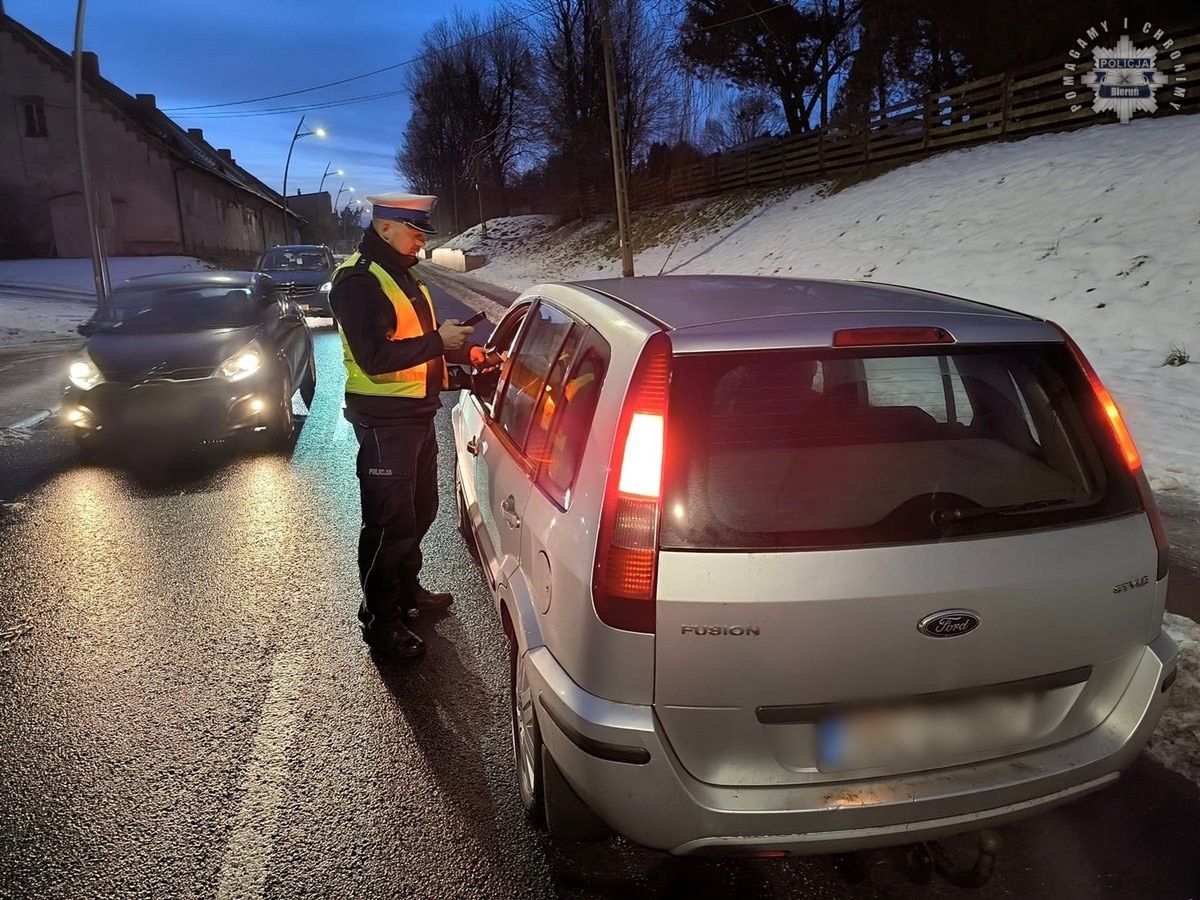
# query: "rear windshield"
812,449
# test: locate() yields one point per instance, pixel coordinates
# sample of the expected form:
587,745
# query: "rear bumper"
656,803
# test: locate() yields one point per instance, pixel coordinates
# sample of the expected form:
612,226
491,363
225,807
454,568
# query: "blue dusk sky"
216,51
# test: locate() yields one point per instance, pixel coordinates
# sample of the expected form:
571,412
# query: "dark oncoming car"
192,357
304,272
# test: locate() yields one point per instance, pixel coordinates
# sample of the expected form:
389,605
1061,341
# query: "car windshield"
293,260
193,308
806,449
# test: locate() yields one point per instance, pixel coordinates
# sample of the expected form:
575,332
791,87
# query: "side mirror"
88,328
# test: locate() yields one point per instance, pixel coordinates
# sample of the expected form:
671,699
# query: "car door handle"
509,509
473,446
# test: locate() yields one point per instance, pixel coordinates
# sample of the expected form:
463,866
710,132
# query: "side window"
541,340
35,117
572,420
551,398
502,339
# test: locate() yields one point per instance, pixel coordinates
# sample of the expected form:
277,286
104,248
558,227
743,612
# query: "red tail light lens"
891,336
1129,452
627,546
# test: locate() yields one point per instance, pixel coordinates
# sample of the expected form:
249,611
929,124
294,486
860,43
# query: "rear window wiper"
963,514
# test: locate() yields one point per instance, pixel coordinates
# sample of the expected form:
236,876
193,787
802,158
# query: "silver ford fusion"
808,566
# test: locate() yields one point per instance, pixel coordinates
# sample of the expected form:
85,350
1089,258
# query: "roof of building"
185,145
682,301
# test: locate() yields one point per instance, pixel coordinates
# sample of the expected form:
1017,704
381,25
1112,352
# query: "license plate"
924,734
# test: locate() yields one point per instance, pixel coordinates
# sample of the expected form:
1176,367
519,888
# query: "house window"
35,117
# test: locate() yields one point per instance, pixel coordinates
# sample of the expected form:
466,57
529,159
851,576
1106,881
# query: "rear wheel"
527,739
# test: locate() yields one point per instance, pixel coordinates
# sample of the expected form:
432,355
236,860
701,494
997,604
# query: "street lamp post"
319,132
328,172
342,190
89,202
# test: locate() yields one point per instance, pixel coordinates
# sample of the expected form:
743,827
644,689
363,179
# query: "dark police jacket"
367,319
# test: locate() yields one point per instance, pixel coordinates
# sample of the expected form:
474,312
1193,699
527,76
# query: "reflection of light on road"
94,555
262,513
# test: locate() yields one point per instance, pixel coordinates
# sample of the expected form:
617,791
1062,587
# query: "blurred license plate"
886,736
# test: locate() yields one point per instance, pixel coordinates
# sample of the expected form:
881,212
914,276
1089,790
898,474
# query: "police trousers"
397,478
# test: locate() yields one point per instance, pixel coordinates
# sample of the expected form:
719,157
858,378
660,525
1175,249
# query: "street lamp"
319,132
328,172
99,266
342,190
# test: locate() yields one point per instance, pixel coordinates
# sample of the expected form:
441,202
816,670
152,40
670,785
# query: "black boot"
430,601
394,639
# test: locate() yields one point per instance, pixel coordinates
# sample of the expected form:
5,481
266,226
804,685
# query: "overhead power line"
347,80
215,111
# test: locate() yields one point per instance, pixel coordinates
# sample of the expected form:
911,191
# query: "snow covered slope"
1098,230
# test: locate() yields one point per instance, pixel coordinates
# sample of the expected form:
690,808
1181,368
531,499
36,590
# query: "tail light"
1129,452
627,546
891,336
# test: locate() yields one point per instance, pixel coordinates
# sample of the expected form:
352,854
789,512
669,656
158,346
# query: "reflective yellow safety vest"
406,382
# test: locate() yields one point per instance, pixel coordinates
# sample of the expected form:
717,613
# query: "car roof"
298,247
200,278
714,313
688,301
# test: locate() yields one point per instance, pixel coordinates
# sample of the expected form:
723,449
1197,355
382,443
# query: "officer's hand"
484,361
453,334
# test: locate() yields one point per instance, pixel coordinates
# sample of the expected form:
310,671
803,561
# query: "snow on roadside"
76,274
45,299
1176,742
1096,229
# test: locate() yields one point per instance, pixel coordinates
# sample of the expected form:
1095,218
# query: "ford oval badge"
948,623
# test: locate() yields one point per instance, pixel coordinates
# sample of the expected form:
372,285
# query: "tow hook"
917,863
974,875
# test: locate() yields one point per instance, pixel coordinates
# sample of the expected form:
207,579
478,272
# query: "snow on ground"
45,299
1098,229
1176,743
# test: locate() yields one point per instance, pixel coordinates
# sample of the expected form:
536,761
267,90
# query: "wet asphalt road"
187,710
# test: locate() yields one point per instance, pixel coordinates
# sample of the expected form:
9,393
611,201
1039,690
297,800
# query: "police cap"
411,209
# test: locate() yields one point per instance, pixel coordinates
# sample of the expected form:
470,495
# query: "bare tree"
471,90
795,48
749,115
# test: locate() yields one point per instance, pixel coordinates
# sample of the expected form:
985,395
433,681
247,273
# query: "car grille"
134,377
295,291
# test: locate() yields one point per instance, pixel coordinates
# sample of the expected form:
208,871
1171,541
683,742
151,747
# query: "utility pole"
89,201
618,152
479,188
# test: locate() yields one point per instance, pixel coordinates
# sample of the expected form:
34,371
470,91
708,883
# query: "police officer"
395,355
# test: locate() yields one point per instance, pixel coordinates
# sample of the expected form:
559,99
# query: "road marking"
244,869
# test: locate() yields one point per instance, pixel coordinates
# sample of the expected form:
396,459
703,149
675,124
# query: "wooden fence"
1014,104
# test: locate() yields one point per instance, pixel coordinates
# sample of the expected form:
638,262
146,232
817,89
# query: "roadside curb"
48,291
31,421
